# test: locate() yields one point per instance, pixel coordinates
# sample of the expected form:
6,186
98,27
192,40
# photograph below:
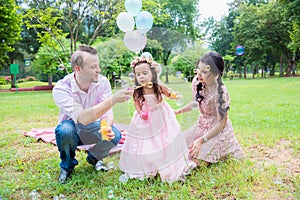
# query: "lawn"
266,118
27,84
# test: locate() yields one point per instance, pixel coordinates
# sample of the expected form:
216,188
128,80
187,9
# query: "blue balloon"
144,21
147,55
133,7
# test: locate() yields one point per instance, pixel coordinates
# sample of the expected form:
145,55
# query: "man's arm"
91,114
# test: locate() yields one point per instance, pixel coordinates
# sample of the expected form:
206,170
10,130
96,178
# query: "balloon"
144,21
135,40
133,7
147,55
125,22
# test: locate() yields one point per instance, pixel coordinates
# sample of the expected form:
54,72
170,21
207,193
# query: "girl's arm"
143,113
216,129
165,90
138,107
187,108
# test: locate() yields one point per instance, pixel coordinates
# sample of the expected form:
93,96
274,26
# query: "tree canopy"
268,30
10,29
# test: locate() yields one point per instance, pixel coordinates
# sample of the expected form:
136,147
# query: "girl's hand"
109,133
177,112
173,95
195,148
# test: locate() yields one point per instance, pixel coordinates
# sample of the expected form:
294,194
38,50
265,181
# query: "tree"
175,26
222,32
79,21
292,13
10,29
114,58
51,60
245,32
187,60
264,33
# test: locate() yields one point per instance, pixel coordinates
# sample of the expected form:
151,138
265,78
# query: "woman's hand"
195,148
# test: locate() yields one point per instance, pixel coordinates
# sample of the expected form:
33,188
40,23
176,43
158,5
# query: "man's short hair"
77,57
88,49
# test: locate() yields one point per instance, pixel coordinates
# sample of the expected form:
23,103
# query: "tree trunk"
240,73
167,75
50,79
281,66
13,84
294,69
245,71
272,70
165,58
290,67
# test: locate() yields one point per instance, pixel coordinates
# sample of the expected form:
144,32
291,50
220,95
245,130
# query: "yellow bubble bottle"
103,127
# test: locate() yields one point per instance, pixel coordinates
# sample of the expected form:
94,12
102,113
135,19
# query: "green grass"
265,116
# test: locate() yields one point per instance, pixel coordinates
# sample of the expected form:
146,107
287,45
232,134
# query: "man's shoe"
91,161
101,167
64,175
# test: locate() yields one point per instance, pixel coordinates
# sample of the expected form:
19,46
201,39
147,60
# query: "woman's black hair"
198,96
216,63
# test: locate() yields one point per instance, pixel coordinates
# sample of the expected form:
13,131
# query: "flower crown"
143,59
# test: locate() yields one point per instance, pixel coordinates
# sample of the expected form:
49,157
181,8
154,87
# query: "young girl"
211,138
155,143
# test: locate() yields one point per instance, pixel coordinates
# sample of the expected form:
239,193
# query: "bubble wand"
149,85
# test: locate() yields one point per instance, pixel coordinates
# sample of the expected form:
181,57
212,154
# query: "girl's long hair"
138,94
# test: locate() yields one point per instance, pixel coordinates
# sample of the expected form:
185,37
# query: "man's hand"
122,96
109,133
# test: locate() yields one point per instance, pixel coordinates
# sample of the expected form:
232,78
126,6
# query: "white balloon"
135,40
125,22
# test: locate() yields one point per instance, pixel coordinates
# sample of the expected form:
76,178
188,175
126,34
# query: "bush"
21,80
8,79
230,75
2,80
30,78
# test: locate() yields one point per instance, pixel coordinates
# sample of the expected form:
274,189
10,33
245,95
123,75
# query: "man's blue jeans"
70,135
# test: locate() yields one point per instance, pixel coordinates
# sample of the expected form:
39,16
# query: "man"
84,98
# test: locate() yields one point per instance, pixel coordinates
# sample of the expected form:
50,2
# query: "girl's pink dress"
223,144
156,145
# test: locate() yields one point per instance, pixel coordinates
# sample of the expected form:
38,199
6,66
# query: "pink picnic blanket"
47,135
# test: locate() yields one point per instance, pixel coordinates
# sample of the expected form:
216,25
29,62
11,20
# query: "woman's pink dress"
156,145
223,144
